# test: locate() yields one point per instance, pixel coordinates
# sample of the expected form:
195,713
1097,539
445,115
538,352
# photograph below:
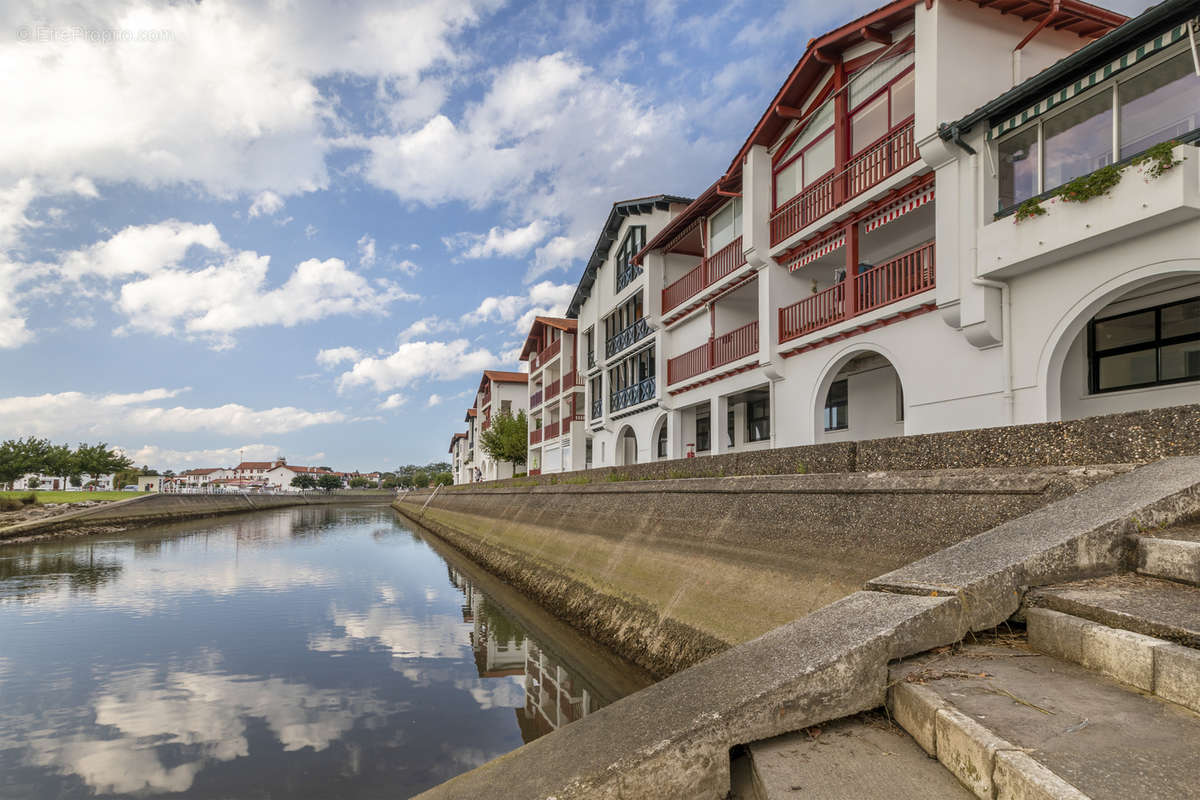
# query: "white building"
280,476
63,483
617,308
557,438
459,463
499,392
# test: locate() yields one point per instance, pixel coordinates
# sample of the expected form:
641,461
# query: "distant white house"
63,483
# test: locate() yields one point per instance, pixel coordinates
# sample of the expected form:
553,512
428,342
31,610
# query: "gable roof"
454,440
608,235
561,323
500,376
255,465
1066,69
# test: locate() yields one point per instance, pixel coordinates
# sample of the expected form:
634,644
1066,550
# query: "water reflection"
313,652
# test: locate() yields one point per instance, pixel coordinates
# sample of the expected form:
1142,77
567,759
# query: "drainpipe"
1055,10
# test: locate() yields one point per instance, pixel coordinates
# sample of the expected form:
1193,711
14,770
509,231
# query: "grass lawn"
73,497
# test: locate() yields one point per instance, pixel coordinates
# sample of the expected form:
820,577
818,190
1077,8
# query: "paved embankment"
667,573
672,740
149,509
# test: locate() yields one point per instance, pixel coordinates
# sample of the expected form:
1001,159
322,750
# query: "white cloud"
541,299
414,361
142,250
166,458
434,400
366,251
266,203
336,355
558,253
393,401
424,327
108,415
497,241
310,231
405,267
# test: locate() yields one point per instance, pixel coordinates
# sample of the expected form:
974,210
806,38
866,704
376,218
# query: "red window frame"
781,166
892,127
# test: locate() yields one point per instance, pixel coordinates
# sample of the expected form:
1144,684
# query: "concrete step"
1150,606
859,757
1172,553
1013,723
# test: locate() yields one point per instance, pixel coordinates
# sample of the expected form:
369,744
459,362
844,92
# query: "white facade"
557,407
63,482
499,392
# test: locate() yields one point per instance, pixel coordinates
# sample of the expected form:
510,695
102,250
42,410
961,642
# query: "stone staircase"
1097,696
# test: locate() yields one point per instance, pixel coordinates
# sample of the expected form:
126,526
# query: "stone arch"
659,441
874,425
1074,319
625,447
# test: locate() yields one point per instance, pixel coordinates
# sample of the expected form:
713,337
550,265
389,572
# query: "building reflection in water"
555,694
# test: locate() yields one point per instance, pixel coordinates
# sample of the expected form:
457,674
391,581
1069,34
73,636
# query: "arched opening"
661,451
860,397
626,447
1130,348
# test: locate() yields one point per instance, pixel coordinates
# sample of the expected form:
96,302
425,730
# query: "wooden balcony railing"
632,334
553,388
903,276
577,407
535,436
571,380
707,272
550,431
889,155
640,392
535,399
714,353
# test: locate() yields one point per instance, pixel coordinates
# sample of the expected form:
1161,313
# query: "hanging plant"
1029,209
1094,184
1158,159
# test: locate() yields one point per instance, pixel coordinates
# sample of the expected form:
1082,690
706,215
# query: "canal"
298,653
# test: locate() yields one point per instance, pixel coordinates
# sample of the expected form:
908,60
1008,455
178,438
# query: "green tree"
19,457
443,479
507,439
76,481
390,482
61,462
359,482
33,482
304,481
100,459
420,479
329,482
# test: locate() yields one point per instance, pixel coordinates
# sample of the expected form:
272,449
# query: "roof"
708,200
563,324
201,471
471,412
1064,70
1077,17
255,465
500,376
608,234
454,440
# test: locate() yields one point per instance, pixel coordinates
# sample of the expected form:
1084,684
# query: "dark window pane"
1160,104
1181,319
1128,369
1078,140
1133,329
1179,361
1018,156
702,443
837,406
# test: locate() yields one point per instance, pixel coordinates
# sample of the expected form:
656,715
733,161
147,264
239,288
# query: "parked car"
129,487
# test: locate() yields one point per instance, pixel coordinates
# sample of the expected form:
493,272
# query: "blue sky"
303,229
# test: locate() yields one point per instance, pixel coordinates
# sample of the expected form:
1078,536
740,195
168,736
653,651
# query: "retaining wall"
667,573
1136,437
148,509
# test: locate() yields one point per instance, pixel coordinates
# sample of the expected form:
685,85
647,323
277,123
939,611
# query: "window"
591,347
587,452
726,225
506,406
631,245
758,420
899,400
662,441
703,442
837,407
869,124
809,157
730,428
1156,103
1145,348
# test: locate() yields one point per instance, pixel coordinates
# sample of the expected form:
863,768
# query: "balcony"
709,271
626,275
904,276
597,407
550,431
576,413
872,166
535,436
633,334
535,399
552,389
638,393
572,380
543,358
714,353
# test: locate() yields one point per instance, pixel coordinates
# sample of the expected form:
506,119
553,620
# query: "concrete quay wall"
671,741
152,508
1135,437
668,573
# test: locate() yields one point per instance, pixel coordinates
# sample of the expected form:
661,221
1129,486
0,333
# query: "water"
298,653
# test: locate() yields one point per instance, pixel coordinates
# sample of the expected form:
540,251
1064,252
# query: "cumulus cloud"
393,401
266,203
142,249
497,241
67,413
167,458
545,299
366,251
336,355
417,360
434,400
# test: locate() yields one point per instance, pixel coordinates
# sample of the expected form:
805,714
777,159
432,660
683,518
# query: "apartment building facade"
458,458
499,392
557,441
891,252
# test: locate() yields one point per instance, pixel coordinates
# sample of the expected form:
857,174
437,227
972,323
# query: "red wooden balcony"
553,388
535,436
550,431
714,353
903,276
571,380
889,155
577,407
551,350
707,272
535,399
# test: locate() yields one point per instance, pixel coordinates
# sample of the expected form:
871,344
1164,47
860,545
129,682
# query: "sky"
271,228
